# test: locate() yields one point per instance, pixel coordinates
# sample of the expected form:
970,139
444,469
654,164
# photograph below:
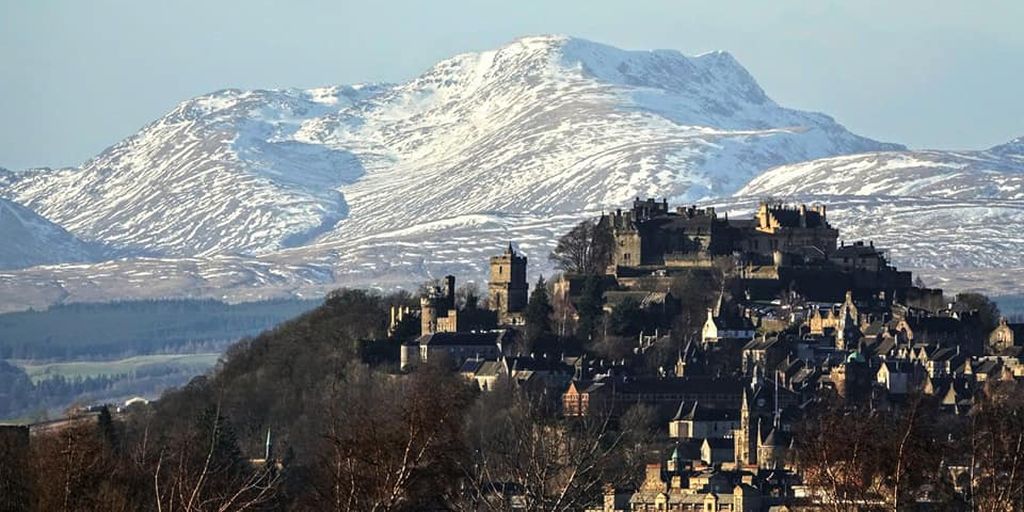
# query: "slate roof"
856,250
720,443
693,411
776,437
490,338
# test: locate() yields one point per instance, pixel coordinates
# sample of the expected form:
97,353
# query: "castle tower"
449,292
507,291
428,314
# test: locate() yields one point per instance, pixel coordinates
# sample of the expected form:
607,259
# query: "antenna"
777,399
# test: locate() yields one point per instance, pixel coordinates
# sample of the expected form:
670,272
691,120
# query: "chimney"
652,475
449,292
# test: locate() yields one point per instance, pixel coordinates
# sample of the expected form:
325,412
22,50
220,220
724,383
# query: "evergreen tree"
538,312
589,307
627,319
107,429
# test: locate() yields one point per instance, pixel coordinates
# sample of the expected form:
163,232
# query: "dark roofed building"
858,256
717,450
458,346
664,393
695,421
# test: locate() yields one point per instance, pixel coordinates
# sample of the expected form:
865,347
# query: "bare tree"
585,249
521,451
202,470
389,444
856,458
995,442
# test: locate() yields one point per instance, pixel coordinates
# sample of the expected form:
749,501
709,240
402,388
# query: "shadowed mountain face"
265,193
30,240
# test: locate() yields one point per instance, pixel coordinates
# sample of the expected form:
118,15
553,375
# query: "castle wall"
628,251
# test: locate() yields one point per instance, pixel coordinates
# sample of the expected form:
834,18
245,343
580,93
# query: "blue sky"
77,76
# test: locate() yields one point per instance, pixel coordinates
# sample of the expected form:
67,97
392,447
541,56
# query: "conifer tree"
538,312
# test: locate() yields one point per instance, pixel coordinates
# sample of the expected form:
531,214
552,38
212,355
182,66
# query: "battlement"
771,216
652,235
649,208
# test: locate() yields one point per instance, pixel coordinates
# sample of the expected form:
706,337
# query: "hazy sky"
77,76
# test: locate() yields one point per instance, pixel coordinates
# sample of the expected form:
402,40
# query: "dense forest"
25,399
118,329
105,331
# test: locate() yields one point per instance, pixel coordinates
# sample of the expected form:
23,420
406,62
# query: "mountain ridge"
249,194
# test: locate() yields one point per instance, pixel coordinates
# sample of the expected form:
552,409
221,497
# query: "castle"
779,247
651,235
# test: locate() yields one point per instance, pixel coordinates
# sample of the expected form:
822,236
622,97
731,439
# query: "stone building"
692,421
858,256
1004,336
437,309
781,228
726,327
456,347
616,394
763,407
507,291
674,488
652,235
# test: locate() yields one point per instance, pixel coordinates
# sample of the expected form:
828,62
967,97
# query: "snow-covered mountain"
29,240
220,173
249,194
935,210
996,173
544,125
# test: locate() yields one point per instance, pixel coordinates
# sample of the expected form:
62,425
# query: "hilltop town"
681,360
730,331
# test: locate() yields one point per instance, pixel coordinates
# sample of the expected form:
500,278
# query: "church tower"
507,289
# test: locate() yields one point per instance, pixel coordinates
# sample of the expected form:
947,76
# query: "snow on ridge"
996,173
514,142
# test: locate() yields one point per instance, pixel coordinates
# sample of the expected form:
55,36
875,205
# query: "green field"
192,363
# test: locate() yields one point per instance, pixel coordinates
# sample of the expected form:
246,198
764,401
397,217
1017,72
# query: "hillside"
996,174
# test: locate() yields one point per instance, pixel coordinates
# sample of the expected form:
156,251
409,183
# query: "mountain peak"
1014,147
518,140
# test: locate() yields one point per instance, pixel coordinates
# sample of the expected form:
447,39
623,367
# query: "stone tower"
437,308
507,290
